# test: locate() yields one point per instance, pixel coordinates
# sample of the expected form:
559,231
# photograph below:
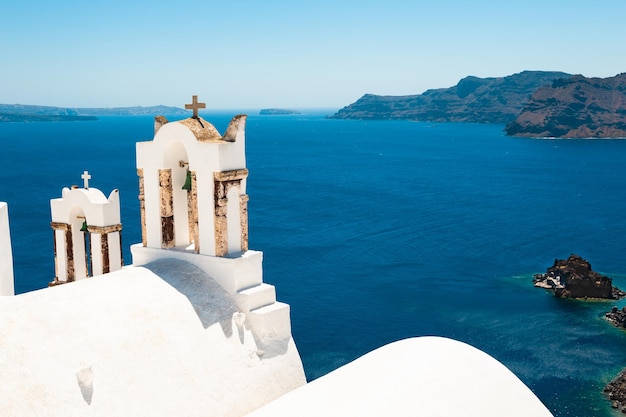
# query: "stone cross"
86,177
195,106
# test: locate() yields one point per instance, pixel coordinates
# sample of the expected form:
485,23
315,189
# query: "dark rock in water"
616,391
617,317
573,278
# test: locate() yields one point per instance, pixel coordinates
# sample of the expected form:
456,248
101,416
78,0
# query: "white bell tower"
87,233
194,207
192,186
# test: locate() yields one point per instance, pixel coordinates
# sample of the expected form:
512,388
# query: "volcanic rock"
574,278
616,391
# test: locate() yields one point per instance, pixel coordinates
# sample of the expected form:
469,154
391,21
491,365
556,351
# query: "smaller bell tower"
87,233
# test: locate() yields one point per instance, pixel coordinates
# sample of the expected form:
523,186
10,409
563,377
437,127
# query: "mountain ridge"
473,100
578,107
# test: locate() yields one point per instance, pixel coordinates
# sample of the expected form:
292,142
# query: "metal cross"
195,106
86,177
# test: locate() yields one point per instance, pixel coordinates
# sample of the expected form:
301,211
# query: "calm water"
378,231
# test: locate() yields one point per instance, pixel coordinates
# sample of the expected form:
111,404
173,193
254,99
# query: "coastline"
27,118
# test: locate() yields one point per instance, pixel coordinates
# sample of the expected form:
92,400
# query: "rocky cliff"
473,100
576,107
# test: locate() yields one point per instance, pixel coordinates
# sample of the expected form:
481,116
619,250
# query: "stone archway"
179,217
81,246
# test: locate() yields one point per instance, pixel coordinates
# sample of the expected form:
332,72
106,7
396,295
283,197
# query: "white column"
6,255
115,251
96,254
153,208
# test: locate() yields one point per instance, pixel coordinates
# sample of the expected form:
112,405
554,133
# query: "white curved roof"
161,340
425,376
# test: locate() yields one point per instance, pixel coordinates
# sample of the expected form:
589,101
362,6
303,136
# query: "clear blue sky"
295,54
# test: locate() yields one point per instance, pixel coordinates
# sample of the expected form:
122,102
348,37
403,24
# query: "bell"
187,185
84,226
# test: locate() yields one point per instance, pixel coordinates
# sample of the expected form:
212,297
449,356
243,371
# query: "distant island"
530,104
575,107
473,100
33,113
274,112
11,117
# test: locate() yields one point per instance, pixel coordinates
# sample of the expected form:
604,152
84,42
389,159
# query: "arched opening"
174,199
81,245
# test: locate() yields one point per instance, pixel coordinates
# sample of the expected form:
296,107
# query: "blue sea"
375,231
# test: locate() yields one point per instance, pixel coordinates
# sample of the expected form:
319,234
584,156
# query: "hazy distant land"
273,112
33,113
12,117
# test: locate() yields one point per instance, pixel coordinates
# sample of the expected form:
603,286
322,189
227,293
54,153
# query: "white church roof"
425,376
161,340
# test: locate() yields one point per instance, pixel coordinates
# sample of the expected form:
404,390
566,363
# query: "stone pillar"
223,182
192,211
105,260
105,249
167,208
221,224
243,209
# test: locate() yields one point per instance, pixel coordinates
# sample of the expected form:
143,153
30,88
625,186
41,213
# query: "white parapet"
242,277
6,255
233,274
